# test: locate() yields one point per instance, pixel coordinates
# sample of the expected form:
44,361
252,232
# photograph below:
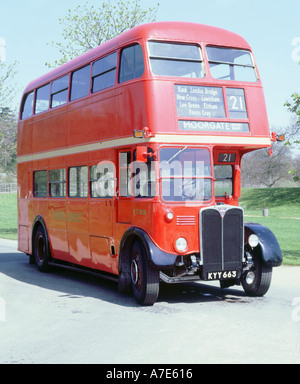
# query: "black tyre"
144,278
41,251
257,281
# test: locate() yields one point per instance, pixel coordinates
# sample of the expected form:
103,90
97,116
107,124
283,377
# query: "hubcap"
41,249
134,272
250,277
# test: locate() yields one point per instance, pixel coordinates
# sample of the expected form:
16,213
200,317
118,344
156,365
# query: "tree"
8,121
261,169
293,135
7,88
86,27
294,106
8,141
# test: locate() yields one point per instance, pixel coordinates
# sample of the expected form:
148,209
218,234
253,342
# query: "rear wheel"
144,278
257,281
41,250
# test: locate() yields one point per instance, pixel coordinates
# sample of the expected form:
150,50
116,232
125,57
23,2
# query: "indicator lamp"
169,216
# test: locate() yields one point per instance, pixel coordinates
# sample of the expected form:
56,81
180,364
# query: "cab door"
77,216
124,201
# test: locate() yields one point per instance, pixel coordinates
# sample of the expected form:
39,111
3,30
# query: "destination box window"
199,102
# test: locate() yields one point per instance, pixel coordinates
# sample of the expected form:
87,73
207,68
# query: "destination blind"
195,101
213,126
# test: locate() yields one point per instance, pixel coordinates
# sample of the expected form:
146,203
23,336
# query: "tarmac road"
68,317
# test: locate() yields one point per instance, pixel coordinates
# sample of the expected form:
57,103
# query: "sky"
271,27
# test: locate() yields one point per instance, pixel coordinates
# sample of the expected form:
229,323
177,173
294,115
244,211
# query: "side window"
59,91
78,181
125,174
143,176
104,73
80,83
42,99
224,180
27,106
102,181
131,63
57,183
40,184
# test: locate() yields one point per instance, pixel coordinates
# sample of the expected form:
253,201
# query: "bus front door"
124,187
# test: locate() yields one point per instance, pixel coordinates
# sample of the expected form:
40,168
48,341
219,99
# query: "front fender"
269,246
158,258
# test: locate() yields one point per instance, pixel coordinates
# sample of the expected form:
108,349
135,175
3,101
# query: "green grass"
8,216
284,216
283,219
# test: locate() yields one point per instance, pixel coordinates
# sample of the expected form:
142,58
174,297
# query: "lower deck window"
57,183
40,184
102,181
78,181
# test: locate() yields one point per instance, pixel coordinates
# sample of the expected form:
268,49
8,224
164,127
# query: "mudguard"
157,257
269,246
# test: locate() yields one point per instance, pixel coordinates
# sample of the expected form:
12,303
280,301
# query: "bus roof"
168,31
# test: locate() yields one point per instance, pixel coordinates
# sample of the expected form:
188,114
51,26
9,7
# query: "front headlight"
253,241
181,244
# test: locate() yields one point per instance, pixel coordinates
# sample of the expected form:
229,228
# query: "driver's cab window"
224,180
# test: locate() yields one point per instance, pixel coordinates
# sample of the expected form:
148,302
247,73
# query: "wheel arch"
39,221
268,248
158,259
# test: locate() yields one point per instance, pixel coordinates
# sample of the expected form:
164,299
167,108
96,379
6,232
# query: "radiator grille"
221,238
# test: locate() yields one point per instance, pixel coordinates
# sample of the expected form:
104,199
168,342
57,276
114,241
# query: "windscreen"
185,174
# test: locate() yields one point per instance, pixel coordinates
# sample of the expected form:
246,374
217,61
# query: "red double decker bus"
129,162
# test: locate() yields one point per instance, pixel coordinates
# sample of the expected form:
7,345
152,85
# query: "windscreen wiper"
176,154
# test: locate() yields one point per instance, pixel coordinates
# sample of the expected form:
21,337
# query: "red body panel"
92,129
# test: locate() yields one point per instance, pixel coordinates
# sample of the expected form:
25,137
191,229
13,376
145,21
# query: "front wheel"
257,281
144,278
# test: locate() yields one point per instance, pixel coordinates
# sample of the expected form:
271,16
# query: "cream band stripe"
158,138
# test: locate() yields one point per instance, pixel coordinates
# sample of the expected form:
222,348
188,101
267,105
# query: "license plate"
224,275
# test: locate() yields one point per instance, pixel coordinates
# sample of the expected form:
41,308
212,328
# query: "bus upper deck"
165,79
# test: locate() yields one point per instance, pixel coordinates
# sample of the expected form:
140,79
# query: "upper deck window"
132,63
80,85
179,60
59,91
104,73
231,64
42,99
27,106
